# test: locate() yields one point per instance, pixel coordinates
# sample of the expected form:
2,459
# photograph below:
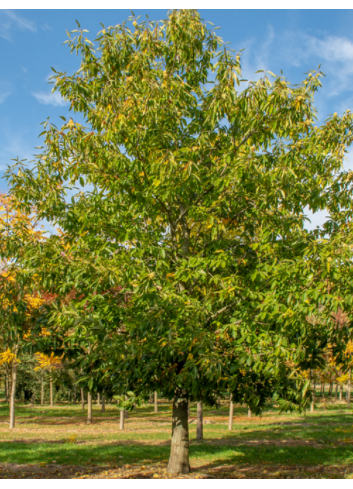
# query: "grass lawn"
57,443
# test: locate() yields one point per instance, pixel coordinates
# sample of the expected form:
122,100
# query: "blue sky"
296,41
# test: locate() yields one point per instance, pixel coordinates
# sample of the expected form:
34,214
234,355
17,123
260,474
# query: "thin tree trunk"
341,392
6,388
155,402
179,453
98,399
75,394
51,393
188,408
42,393
336,392
82,399
249,413
89,408
199,422
122,420
349,389
12,394
312,404
103,404
231,414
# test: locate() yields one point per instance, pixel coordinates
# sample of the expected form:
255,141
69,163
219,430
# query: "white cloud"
10,19
46,27
3,96
49,98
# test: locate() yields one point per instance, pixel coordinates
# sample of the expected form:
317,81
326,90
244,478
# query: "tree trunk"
199,422
42,393
82,399
122,420
188,408
155,402
103,404
179,453
89,408
6,388
349,389
231,414
12,394
98,399
51,393
249,413
75,394
312,404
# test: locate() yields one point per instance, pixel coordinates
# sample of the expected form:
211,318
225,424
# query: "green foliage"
184,261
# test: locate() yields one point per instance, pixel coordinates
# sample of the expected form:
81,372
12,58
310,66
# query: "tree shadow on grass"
129,451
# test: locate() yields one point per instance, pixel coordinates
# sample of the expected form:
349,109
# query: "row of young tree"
181,264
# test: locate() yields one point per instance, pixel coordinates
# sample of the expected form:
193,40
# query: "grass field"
57,443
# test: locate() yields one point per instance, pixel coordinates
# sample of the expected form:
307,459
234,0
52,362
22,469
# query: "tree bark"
231,414
42,393
199,422
122,419
179,453
103,404
82,399
12,394
155,402
341,392
89,408
98,399
249,413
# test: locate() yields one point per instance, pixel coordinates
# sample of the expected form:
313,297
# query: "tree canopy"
183,237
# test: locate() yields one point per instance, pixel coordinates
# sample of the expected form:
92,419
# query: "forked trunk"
155,402
82,399
89,408
199,422
231,414
12,394
179,453
103,404
122,420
